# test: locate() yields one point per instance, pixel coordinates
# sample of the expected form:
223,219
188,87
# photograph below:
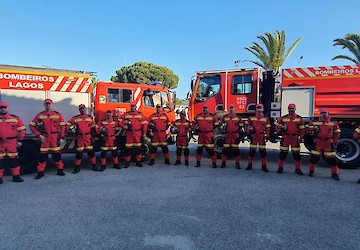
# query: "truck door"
242,92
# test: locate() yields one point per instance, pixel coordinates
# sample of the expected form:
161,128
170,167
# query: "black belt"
8,138
84,133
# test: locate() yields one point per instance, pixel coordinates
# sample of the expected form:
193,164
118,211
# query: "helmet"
72,130
104,131
316,129
252,130
223,128
129,124
196,129
283,128
174,130
151,125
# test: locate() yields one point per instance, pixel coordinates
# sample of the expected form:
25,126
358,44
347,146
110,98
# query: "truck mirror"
148,92
173,97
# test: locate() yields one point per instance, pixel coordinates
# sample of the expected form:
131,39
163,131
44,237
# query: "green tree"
275,54
178,101
352,43
143,72
94,81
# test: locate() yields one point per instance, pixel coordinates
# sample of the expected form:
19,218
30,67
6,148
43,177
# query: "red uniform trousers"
84,144
323,147
159,140
206,139
231,145
257,140
8,149
292,141
133,145
50,146
108,143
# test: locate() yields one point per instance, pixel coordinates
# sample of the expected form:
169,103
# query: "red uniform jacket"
11,127
295,125
46,123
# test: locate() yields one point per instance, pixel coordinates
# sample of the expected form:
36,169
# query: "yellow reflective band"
2,155
295,149
12,154
329,123
286,120
80,148
262,146
284,148
315,152
296,120
301,127
89,147
317,123
329,153
44,149
11,120
263,119
357,130
253,119
201,145
55,149
32,123
54,116
42,116
62,123
226,145
21,128
208,118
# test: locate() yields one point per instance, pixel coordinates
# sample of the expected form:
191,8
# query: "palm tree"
352,43
275,54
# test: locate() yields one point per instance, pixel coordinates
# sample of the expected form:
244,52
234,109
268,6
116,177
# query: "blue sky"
185,36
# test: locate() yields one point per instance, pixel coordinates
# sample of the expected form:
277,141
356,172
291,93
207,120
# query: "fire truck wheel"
219,143
348,150
308,141
28,157
145,150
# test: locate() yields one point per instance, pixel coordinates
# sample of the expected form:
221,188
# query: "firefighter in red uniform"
158,123
357,137
258,128
82,126
49,125
182,128
327,133
204,124
231,125
292,128
134,124
107,129
12,132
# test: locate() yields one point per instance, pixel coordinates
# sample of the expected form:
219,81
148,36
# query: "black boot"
178,162
117,166
127,164
95,168
359,181
299,172
223,165
39,175
17,178
76,170
102,168
151,162
335,176
249,167
237,165
311,173
61,172
139,164
167,161
280,170
214,165
197,164
264,168
1,180
186,163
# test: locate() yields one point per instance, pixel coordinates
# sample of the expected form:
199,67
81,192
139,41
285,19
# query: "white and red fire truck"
25,88
334,87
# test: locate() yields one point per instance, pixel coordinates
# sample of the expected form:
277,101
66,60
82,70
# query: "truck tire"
348,150
219,140
145,150
28,157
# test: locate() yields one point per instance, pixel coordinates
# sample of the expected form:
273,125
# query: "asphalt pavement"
182,207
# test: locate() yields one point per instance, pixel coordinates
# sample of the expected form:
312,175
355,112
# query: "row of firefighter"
51,128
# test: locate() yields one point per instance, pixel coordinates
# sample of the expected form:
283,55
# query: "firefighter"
107,129
357,137
12,132
182,128
82,126
258,128
134,124
158,123
49,126
292,128
327,133
231,125
204,124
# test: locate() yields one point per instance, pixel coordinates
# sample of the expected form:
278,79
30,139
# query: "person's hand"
42,138
19,144
61,141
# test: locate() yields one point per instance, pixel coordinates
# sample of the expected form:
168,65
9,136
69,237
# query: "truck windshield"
208,86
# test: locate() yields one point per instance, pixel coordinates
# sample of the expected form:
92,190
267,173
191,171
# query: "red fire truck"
334,87
25,88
